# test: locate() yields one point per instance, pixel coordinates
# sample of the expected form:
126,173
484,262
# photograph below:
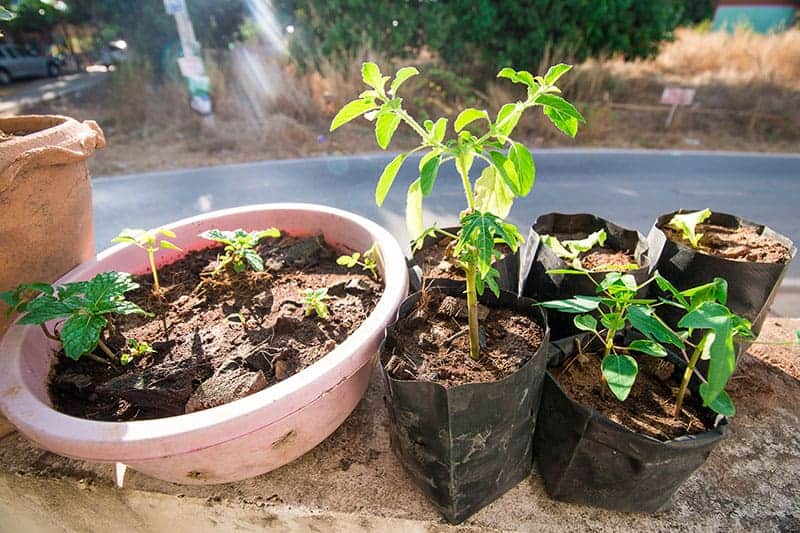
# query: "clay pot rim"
123,441
42,125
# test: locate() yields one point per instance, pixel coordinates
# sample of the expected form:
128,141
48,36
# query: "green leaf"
644,320
620,374
464,162
555,245
387,178
524,165
648,347
385,126
555,72
507,171
402,75
468,116
225,237
168,245
565,123
478,229
428,175
427,157
507,119
665,285
43,309
687,223
80,334
576,304
597,238
353,110
559,104
565,271
508,73
254,260
108,286
491,193
414,209
613,321
721,404
440,129
371,75
585,322
716,291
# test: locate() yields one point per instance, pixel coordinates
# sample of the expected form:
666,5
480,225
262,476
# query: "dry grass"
748,94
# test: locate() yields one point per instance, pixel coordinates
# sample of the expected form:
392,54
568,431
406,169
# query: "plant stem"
48,334
687,375
472,311
151,257
106,350
467,188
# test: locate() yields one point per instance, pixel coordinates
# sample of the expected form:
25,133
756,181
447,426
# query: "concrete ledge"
351,482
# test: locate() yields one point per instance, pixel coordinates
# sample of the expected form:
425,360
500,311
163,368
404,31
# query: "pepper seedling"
686,223
239,248
84,304
314,302
149,241
618,308
571,250
134,350
367,261
509,171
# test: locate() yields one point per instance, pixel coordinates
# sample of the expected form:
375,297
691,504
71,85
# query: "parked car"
16,62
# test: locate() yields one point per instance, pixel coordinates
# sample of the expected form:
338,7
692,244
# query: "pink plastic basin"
238,440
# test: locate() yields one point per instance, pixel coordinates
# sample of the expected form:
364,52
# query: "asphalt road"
14,98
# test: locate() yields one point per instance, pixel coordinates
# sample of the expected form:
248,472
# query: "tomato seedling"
239,248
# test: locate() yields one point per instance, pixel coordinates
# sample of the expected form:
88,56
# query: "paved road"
16,97
629,187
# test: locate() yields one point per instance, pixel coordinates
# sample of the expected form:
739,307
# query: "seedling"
571,250
507,175
134,350
148,240
704,310
314,302
367,261
240,248
687,223
84,304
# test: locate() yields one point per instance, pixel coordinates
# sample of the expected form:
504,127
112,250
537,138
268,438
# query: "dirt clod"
226,385
743,243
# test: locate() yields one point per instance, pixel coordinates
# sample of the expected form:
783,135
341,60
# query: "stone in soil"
229,383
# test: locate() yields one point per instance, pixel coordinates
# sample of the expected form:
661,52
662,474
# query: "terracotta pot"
45,200
243,438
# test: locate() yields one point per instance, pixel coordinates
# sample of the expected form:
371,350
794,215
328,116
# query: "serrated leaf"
585,322
492,195
43,309
648,347
428,175
217,235
555,72
107,286
620,373
478,230
352,110
644,320
80,334
522,160
371,75
686,223
402,75
576,304
385,126
387,178
414,209
468,116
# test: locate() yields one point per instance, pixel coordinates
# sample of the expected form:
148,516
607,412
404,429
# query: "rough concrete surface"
351,482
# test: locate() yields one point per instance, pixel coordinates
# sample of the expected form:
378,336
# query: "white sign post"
191,64
676,96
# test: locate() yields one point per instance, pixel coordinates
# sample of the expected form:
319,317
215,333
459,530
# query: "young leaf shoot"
367,261
149,241
135,350
570,251
686,223
314,302
239,248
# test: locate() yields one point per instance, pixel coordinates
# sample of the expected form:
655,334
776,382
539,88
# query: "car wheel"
53,70
5,77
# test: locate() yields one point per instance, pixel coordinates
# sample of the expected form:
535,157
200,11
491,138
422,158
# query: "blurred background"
183,83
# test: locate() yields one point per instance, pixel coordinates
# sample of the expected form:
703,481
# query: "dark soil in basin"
432,343
210,356
650,404
738,244
436,261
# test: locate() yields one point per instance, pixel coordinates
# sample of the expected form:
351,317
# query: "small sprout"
314,302
570,250
84,305
368,261
239,319
148,240
687,223
135,350
240,248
